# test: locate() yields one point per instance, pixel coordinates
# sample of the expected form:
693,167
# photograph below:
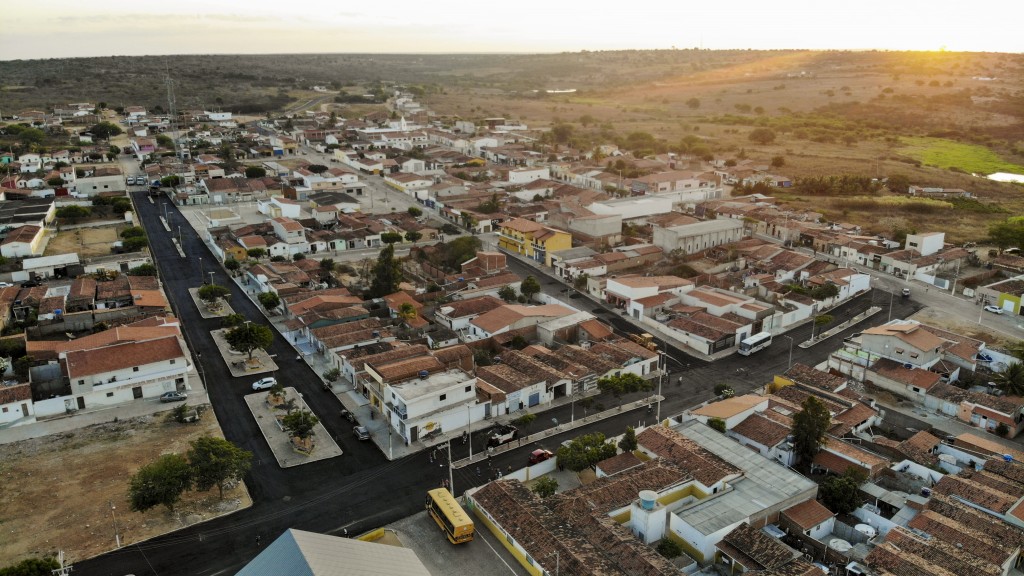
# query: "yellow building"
533,240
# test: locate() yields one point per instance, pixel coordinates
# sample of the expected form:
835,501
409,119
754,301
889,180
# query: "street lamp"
790,338
201,275
469,430
117,537
661,374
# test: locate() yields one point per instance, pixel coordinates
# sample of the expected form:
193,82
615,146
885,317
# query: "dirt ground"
59,489
87,242
942,319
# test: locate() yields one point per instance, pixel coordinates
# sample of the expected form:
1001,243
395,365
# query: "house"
457,314
809,518
630,292
732,411
121,372
768,437
511,316
99,180
836,456
424,403
23,241
532,240
749,549
16,405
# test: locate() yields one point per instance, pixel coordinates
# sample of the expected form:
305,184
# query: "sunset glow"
63,28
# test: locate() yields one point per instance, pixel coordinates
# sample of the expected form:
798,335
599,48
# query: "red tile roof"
121,356
808,514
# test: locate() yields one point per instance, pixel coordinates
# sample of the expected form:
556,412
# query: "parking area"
484,555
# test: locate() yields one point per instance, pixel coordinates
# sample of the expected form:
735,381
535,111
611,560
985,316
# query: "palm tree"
406,311
1011,380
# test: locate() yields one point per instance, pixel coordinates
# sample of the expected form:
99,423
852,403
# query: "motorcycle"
348,415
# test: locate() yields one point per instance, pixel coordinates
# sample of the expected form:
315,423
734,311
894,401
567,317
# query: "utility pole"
451,480
117,537
469,429
661,374
63,570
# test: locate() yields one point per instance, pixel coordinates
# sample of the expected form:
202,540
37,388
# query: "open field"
970,158
59,490
87,242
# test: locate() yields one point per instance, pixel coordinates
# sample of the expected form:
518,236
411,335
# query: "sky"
70,28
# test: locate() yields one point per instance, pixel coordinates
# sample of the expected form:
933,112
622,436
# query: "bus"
756,342
450,517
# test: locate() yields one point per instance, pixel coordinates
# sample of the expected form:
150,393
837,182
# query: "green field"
970,158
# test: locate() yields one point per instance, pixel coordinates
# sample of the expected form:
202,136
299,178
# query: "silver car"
173,397
264,383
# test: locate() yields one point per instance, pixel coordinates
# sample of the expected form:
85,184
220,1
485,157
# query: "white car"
993,309
264,383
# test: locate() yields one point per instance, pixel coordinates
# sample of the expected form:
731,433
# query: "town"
600,362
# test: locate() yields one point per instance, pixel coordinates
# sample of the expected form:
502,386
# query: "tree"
413,236
327,265
300,423
390,237
164,141
809,427
407,311
135,243
31,567
73,212
269,300
209,293
898,183
545,486
507,293
161,482
298,256
317,168
256,253
724,390
415,211
55,181
104,130
524,421
669,548
693,103
387,274
624,383
822,320
839,493
824,292
215,462
249,337
585,451
1006,234
232,320
778,161
628,442
232,265
450,229
529,287
518,342
762,135
332,374
170,181
142,270
1011,380
255,172
717,424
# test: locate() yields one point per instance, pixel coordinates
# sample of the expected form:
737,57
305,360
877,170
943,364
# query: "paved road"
361,490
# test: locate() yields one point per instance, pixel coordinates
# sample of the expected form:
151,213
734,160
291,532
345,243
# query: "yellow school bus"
452,519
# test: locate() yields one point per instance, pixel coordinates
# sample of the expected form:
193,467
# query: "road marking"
484,539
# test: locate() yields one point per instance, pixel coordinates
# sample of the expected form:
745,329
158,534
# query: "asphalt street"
361,489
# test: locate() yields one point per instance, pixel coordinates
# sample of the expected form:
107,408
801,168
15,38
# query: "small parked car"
540,455
264,383
130,181
5,284
348,415
994,309
173,397
906,292
361,433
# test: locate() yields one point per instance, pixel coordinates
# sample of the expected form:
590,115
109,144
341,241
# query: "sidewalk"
840,327
102,414
946,424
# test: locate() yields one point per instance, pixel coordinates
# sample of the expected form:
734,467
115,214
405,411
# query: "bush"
415,212
717,424
669,548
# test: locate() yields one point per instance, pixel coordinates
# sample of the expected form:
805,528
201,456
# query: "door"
137,392
81,402
24,409
535,399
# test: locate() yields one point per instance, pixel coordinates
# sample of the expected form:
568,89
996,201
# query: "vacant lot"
87,242
66,491
949,154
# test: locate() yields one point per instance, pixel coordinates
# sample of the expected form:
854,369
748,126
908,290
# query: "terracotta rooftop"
909,332
977,492
666,443
509,314
808,514
16,393
619,463
730,406
806,375
762,430
755,550
919,448
469,307
120,356
966,538
396,353
893,370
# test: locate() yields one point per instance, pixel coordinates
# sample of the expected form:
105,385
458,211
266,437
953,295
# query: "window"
172,360
913,354
135,368
468,388
5,409
110,394
81,382
899,350
442,398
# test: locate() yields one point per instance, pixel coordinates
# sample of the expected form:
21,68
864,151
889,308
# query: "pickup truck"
502,435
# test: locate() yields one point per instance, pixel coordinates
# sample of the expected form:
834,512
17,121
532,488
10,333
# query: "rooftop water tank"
648,499
839,545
